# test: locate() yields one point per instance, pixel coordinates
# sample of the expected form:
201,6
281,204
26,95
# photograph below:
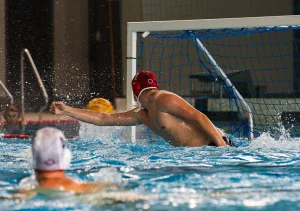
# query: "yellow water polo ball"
101,105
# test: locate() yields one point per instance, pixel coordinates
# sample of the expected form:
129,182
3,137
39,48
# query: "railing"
7,92
27,53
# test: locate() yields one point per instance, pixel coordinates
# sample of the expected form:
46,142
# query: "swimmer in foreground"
165,113
51,157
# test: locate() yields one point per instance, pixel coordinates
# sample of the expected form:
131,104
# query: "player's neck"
147,97
48,175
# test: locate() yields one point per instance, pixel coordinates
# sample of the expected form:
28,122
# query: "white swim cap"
49,151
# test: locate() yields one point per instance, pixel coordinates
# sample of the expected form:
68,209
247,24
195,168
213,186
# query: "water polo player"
165,113
50,159
12,123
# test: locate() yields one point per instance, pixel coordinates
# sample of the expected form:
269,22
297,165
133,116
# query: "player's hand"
58,107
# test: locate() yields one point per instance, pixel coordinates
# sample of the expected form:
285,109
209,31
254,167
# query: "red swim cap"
143,80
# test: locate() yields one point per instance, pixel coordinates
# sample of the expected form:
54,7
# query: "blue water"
260,175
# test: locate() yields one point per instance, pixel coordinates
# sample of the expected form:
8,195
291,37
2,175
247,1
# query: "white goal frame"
151,26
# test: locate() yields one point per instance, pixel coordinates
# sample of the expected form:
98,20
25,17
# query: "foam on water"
103,133
284,142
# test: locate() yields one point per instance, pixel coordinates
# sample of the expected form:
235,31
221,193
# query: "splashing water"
263,174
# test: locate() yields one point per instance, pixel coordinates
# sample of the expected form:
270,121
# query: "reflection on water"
260,175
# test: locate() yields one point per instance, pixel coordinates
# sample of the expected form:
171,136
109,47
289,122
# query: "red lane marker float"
70,137
19,136
22,136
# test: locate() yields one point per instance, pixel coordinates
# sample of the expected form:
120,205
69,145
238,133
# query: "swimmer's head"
11,111
49,150
142,81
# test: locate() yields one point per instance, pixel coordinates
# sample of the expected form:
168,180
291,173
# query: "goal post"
240,69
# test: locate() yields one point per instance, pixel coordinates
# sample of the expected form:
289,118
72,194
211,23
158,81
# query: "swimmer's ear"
63,142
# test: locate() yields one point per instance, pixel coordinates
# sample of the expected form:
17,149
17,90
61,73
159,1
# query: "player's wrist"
67,109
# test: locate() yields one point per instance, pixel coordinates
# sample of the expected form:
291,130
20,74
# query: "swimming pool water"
260,175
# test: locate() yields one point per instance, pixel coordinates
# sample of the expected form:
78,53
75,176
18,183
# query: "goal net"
243,73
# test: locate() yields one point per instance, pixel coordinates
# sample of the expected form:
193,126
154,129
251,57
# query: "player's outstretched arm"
127,118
